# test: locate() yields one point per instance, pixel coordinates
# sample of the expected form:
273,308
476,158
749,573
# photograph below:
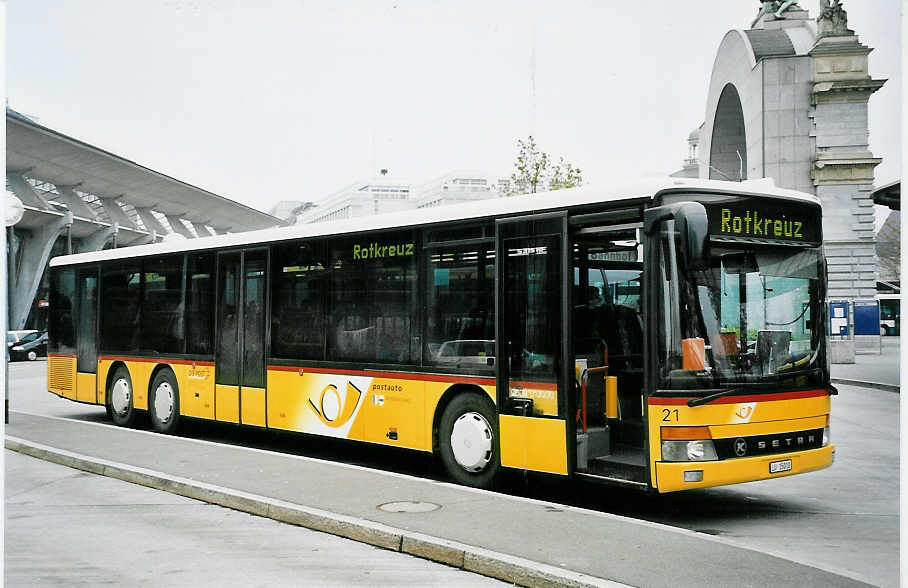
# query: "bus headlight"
698,450
826,436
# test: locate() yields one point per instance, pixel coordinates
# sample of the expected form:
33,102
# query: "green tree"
534,171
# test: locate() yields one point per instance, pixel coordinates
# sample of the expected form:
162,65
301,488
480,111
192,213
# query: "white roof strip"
527,204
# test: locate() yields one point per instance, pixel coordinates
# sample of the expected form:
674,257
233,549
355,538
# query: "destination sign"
752,218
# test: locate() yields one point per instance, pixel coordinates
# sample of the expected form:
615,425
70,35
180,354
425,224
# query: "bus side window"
372,297
297,300
200,303
62,316
460,306
121,289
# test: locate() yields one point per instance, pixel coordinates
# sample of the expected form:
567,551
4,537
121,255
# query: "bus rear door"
240,350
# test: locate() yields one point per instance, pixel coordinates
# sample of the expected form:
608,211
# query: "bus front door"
240,350
532,347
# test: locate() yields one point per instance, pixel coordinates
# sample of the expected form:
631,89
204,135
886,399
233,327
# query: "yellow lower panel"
86,387
227,403
670,476
61,375
140,374
103,369
196,382
392,413
531,443
253,405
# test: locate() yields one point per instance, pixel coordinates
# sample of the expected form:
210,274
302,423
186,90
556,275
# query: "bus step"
604,466
628,432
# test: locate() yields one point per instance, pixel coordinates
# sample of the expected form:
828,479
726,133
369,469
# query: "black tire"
119,400
165,416
31,355
885,330
475,415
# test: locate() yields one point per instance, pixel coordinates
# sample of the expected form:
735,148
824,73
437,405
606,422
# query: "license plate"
780,466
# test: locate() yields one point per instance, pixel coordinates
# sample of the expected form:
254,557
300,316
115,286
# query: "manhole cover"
409,506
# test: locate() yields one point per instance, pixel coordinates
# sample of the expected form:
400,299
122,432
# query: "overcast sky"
261,102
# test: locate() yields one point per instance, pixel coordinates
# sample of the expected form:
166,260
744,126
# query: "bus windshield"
746,316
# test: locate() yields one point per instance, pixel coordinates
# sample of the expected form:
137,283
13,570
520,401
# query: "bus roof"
527,204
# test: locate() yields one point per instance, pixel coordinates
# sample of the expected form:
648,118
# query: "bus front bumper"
670,476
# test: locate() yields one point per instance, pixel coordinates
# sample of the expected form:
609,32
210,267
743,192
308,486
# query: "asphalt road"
844,518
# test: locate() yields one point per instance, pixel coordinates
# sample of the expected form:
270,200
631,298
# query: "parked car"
30,347
13,337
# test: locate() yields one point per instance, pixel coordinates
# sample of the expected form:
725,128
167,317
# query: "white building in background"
455,187
373,196
284,209
384,193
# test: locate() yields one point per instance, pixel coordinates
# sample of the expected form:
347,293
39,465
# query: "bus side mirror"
693,226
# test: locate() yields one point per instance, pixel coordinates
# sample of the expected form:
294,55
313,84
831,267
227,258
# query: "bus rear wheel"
468,441
120,398
164,402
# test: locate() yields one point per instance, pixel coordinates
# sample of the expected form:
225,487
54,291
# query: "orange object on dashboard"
693,354
729,344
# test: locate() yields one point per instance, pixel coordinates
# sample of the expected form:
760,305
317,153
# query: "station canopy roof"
44,153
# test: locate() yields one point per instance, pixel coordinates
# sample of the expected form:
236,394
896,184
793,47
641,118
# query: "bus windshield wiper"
707,399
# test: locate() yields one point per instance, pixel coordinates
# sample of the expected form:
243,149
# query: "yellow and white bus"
665,334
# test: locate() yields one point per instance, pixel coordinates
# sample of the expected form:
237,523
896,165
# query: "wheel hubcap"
163,402
120,398
471,441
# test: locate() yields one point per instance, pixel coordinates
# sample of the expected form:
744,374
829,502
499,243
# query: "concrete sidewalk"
875,370
515,539
66,527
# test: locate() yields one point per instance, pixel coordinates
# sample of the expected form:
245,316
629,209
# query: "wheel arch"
450,394
110,374
158,369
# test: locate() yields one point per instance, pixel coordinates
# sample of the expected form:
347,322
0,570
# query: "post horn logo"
333,409
744,412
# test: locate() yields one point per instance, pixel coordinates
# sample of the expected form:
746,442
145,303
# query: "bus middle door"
240,357
532,346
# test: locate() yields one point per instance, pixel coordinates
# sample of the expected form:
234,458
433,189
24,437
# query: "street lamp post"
13,211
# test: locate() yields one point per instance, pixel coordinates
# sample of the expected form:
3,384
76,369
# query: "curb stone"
862,383
505,567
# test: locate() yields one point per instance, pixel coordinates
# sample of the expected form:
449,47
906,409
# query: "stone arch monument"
788,100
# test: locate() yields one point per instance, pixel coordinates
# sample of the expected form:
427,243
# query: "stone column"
843,166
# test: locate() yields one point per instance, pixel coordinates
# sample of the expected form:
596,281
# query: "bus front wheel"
468,439
164,402
122,411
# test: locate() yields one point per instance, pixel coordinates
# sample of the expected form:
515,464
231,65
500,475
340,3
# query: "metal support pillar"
152,225
28,195
143,240
97,240
178,227
5,265
201,230
26,275
75,204
116,213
